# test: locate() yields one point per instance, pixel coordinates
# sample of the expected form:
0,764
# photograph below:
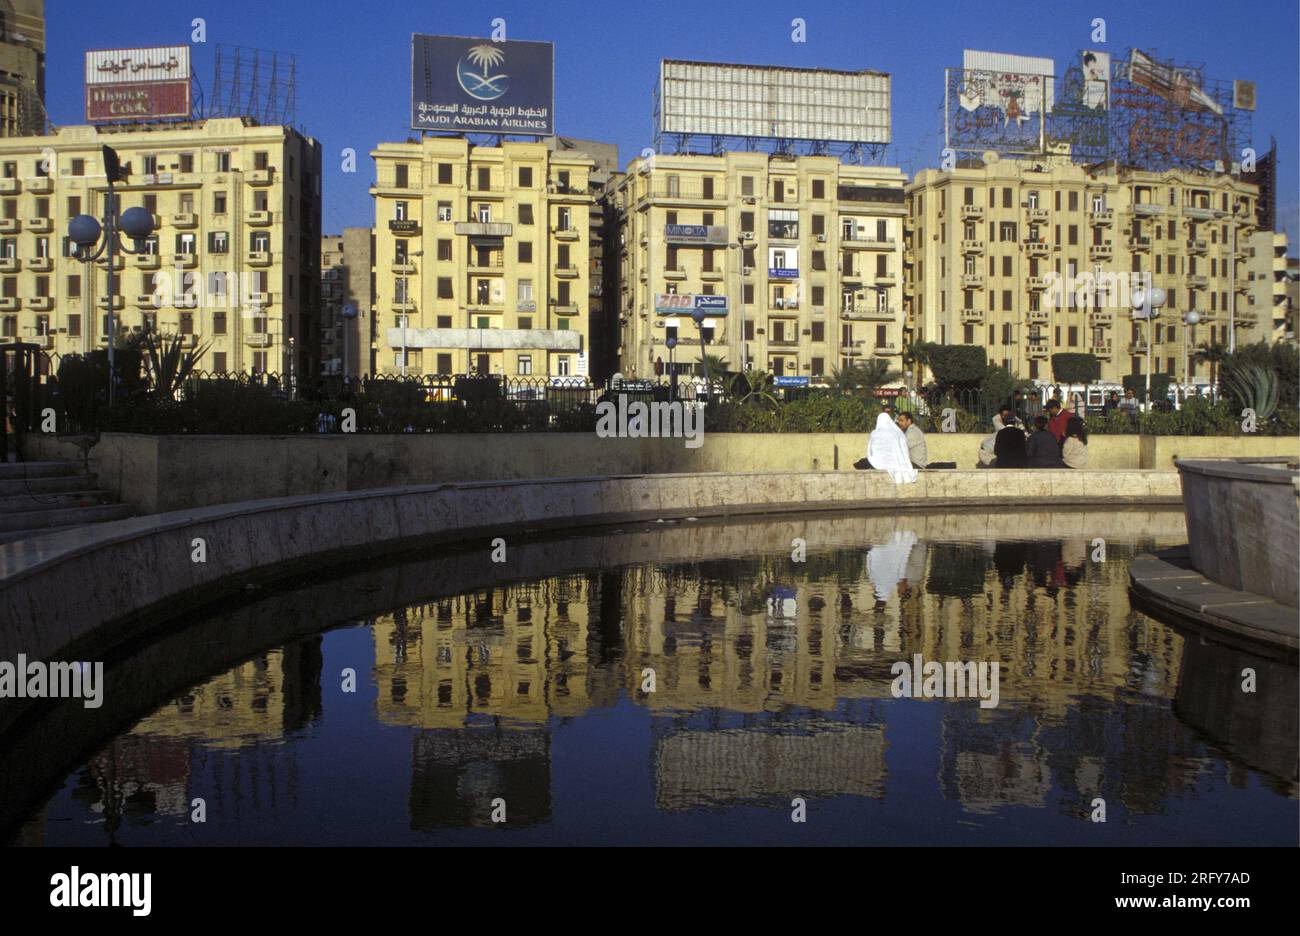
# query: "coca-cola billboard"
138,84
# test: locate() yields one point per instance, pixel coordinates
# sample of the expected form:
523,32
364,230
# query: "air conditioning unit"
750,200
747,271
747,235
821,238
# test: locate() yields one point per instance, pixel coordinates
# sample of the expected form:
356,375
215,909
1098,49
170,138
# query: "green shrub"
1071,368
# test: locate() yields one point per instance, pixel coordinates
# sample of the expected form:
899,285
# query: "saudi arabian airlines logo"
474,73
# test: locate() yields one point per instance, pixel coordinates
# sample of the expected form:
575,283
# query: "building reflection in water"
772,679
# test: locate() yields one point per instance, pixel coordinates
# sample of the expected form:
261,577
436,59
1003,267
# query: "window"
818,331
223,162
185,243
525,364
400,210
484,178
218,242
525,177
525,251
78,167
219,322
444,363
74,326
747,186
819,188
708,190
564,220
444,173
149,165
444,211
402,175
485,214
444,287
444,248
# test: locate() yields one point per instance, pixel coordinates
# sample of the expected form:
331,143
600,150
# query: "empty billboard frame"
772,102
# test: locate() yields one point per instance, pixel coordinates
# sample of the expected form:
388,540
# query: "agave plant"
753,386
1254,388
169,363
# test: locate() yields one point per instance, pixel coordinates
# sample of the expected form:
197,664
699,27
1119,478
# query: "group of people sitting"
1058,439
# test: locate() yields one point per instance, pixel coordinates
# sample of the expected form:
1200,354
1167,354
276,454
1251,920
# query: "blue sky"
354,58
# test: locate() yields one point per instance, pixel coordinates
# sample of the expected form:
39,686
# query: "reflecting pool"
685,682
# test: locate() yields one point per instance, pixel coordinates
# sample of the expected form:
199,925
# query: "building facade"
483,260
805,254
233,265
347,316
1002,252
1268,293
22,67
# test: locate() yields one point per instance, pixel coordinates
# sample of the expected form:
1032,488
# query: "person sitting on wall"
1006,416
987,458
1041,450
1058,417
1009,448
1074,452
915,440
887,451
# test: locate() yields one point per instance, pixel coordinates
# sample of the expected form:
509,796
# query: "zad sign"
686,303
466,85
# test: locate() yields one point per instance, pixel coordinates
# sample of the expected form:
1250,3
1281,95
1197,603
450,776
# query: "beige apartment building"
483,260
998,244
804,252
22,67
1268,285
233,263
347,316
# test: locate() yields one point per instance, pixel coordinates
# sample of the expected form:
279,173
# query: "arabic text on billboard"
468,85
138,84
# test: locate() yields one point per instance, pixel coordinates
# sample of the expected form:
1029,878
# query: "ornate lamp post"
1190,317
1146,306
85,231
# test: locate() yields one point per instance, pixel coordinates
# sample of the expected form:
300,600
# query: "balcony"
259,258
493,229
1101,251
909,257
972,246
1200,212
1038,350
1247,317
118,302
260,176
41,185
407,306
886,278
713,275
10,186
10,303
887,348
1036,283
972,316
45,340
148,300
1137,348
406,267
148,261
40,225
565,234
185,219
186,260
972,280
1147,210
567,309
257,339
1102,216
45,303
859,242
1101,350
867,312
1198,281
1196,245
10,264
1039,316
10,225
972,212
40,264
1101,317
1036,215
259,218
1037,249
1139,244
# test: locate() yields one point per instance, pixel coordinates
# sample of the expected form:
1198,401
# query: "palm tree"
715,371
753,386
485,56
1214,354
869,375
916,355
846,379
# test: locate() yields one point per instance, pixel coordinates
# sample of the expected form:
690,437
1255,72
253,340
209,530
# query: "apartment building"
22,67
804,255
1266,271
233,264
994,241
347,319
483,260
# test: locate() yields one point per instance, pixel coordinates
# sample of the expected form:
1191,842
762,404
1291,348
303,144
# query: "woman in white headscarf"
887,450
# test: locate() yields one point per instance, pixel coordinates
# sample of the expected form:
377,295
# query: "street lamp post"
1146,305
1190,318
85,232
671,342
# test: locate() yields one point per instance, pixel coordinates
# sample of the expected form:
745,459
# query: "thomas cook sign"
479,86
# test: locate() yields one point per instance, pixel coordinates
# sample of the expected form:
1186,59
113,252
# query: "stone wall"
161,473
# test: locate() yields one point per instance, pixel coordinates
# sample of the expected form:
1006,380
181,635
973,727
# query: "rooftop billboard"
768,102
138,84
466,85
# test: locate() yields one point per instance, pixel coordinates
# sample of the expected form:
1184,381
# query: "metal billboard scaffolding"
257,83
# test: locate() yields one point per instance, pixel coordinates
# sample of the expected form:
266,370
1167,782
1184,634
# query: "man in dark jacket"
1009,448
1042,449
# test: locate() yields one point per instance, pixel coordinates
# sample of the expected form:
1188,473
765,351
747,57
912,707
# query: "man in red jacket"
1058,420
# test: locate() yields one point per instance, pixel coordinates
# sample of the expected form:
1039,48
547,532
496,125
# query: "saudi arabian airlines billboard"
138,84
466,85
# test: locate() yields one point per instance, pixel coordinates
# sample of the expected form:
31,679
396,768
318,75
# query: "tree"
1211,353
957,366
1070,368
916,356
715,371
753,386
